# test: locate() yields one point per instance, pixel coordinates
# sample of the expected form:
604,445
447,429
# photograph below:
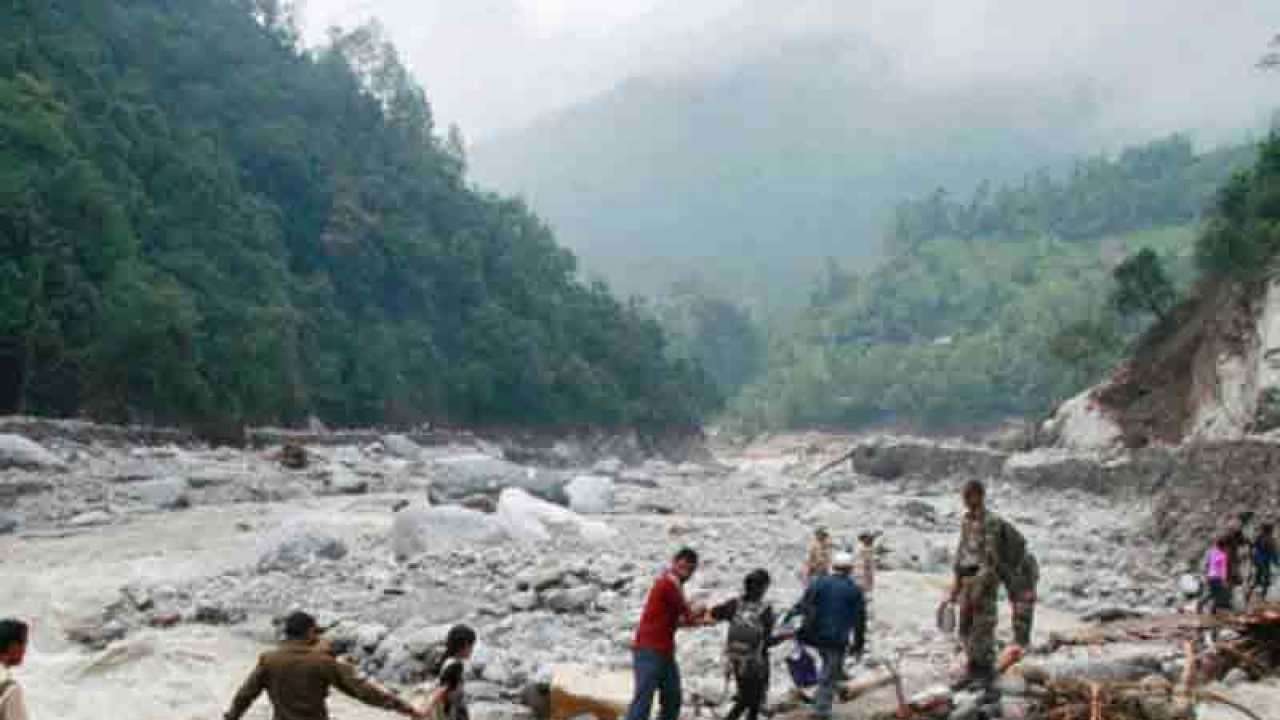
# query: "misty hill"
993,304
784,132
774,163
199,220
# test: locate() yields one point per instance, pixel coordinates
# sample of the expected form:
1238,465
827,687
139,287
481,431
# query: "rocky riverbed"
153,573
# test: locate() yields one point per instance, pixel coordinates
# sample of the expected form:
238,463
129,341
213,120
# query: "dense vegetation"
199,219
997,306
1242,235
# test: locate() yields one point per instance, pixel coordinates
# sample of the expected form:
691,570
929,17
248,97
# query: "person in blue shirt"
1264,557
838,626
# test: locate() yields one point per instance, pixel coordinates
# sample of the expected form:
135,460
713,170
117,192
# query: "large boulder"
419,528
458,477
299,544
164,494
590,494
402,447
530,519
19,452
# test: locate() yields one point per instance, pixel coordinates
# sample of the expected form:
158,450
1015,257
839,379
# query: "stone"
524,601
97,635
460,476
368,636
163,494
573,600
296,545
402,447
608,466
17,451
294,457
91,518
1235,677
529,519
215,613
637,478
421,527
590,494
8,523
342,481
919,510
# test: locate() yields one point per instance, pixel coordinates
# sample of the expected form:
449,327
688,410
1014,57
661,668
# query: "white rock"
164,494
344,482
529,519
421,527
1080,424
402,447
590,494
91,518
573,600
457,477
297,544
17,451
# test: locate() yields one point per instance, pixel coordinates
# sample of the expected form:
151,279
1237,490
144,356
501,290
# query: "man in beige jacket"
13,648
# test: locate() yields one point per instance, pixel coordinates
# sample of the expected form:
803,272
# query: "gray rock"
919,510
1237,676
19,452
216,613
164,494
91,518
573,600
524,601
402,447
420,528
454,478
299,545
590,494
368,636
8,523
342,481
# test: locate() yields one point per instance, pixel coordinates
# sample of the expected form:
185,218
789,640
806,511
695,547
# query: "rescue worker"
990,551
817,561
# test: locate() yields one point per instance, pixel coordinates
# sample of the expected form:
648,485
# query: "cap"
842,560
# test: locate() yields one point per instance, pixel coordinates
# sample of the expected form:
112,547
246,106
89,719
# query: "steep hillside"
199,219
1211,370
989,306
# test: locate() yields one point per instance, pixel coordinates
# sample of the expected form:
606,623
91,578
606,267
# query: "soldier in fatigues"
990,552
1021,586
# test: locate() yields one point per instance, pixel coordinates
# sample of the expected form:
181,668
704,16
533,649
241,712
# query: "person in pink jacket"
1217,573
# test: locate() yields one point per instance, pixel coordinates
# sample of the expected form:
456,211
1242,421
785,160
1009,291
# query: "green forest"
1002,303
202,220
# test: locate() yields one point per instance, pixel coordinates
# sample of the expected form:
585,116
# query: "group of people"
298,675
833,611
1235,561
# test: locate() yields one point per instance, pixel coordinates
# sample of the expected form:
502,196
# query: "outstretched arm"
249,691
350,683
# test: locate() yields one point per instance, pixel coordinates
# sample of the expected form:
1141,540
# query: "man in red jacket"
654,647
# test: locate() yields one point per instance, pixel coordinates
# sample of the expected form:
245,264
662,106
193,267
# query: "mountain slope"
200,220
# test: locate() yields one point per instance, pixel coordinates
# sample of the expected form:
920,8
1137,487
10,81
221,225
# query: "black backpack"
747,634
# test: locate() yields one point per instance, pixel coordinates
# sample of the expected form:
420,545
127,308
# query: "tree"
1143,286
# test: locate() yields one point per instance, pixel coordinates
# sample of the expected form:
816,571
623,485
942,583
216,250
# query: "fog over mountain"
658,136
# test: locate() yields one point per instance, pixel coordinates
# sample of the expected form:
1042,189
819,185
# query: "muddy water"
187,673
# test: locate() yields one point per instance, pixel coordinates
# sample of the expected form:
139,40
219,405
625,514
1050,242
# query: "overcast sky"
491,65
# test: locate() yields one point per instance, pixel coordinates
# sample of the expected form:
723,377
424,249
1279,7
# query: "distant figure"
1264,558
817,561
1217,575
751,622
13,649
297,677
449,701
1237,548
838,626
865,565
990,551
654,647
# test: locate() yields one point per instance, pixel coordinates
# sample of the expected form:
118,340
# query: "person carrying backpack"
1264,558
751,622
449,701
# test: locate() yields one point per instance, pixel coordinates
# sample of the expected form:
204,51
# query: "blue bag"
802,666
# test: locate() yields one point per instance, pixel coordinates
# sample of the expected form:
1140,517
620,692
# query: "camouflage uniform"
991,552
1021,587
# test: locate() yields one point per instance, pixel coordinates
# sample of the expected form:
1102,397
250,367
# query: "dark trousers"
753,689
654,673
832,674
